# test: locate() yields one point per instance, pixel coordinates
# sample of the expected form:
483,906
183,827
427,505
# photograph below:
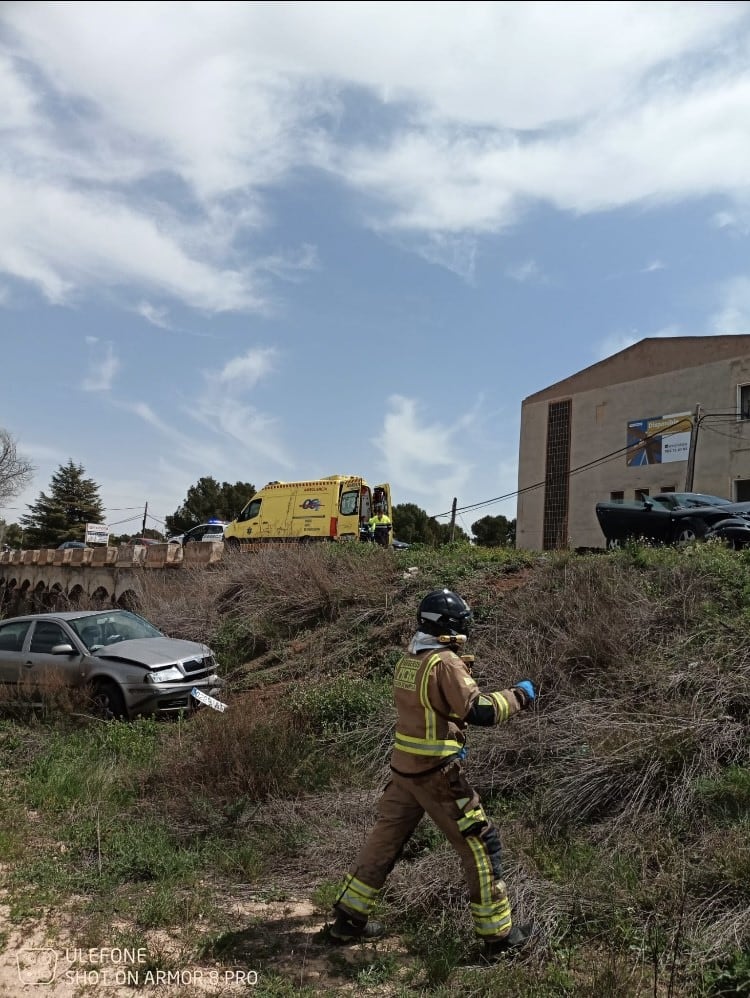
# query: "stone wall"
106,574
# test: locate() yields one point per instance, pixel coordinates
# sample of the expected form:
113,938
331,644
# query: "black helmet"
444,614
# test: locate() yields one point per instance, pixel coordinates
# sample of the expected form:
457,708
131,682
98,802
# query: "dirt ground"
273,939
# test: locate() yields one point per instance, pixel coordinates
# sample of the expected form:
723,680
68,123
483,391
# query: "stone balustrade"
103,573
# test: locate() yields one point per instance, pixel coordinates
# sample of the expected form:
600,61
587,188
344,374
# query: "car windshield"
110,627
698,499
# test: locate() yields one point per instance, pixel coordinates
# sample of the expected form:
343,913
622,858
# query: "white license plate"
208,700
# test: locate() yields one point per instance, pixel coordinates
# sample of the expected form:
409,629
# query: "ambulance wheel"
233,544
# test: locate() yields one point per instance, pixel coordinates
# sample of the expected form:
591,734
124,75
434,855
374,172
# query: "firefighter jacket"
434,694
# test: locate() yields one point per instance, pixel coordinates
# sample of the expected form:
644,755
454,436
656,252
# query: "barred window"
557,471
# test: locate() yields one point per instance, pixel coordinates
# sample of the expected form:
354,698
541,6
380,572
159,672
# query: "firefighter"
436,699
380,525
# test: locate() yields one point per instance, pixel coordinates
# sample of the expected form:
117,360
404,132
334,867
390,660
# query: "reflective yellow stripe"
422,746
430,717
357,895
473,817
484,868
501,706
492,917
492,920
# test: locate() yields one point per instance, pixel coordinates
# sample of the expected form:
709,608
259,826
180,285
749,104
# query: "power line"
613,455
129,519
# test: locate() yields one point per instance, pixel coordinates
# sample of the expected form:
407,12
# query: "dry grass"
622,801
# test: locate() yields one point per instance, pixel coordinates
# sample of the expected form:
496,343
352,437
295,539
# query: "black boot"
347,929
515,942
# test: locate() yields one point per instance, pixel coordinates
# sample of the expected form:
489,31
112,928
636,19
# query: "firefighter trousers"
456,810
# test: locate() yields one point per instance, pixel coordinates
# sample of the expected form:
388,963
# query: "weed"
324,896
729,976
338,705
726,796
272,985
440,947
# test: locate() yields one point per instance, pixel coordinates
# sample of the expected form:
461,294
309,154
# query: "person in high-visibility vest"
436,699
380,526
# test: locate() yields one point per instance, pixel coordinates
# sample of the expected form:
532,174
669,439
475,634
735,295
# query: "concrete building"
626,427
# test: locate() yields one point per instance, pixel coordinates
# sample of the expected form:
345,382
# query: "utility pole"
690,471
145,513
453,516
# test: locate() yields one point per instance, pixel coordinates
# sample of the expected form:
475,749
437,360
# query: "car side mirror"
63,650
648,504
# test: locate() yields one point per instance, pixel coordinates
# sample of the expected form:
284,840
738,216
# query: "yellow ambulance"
323,509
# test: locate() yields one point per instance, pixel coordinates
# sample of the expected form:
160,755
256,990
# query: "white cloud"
247,370
154,314
653,266
291,265
102,368
188,447
527,271
60,240
424,458
17,101
226,428
733,315
153,179
456,253
736,221
224,406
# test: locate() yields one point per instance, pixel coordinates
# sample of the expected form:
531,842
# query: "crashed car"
734,532
668,518
128,666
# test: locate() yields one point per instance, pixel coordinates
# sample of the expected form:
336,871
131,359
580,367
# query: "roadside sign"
96,533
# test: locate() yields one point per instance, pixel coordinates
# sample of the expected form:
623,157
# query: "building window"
617,497
743,401
641,494
556,478
742,490
668,488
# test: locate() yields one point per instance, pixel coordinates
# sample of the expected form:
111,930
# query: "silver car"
131,668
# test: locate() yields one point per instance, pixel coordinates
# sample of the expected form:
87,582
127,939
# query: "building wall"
600,415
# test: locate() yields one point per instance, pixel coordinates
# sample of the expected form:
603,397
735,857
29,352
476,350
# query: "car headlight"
170,675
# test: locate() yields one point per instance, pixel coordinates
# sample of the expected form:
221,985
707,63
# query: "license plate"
208,700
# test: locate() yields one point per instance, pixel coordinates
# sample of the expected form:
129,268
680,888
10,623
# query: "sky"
278,241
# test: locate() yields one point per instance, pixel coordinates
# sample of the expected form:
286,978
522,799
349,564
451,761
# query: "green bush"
729,977
341,704
726,796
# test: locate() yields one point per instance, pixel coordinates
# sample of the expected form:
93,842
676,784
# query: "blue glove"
526,693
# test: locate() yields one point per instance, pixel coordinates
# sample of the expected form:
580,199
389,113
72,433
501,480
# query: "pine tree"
73,501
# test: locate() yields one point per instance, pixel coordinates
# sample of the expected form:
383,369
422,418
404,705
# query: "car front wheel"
689,530
108,702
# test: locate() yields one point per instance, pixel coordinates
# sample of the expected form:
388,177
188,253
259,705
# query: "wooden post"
453,516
